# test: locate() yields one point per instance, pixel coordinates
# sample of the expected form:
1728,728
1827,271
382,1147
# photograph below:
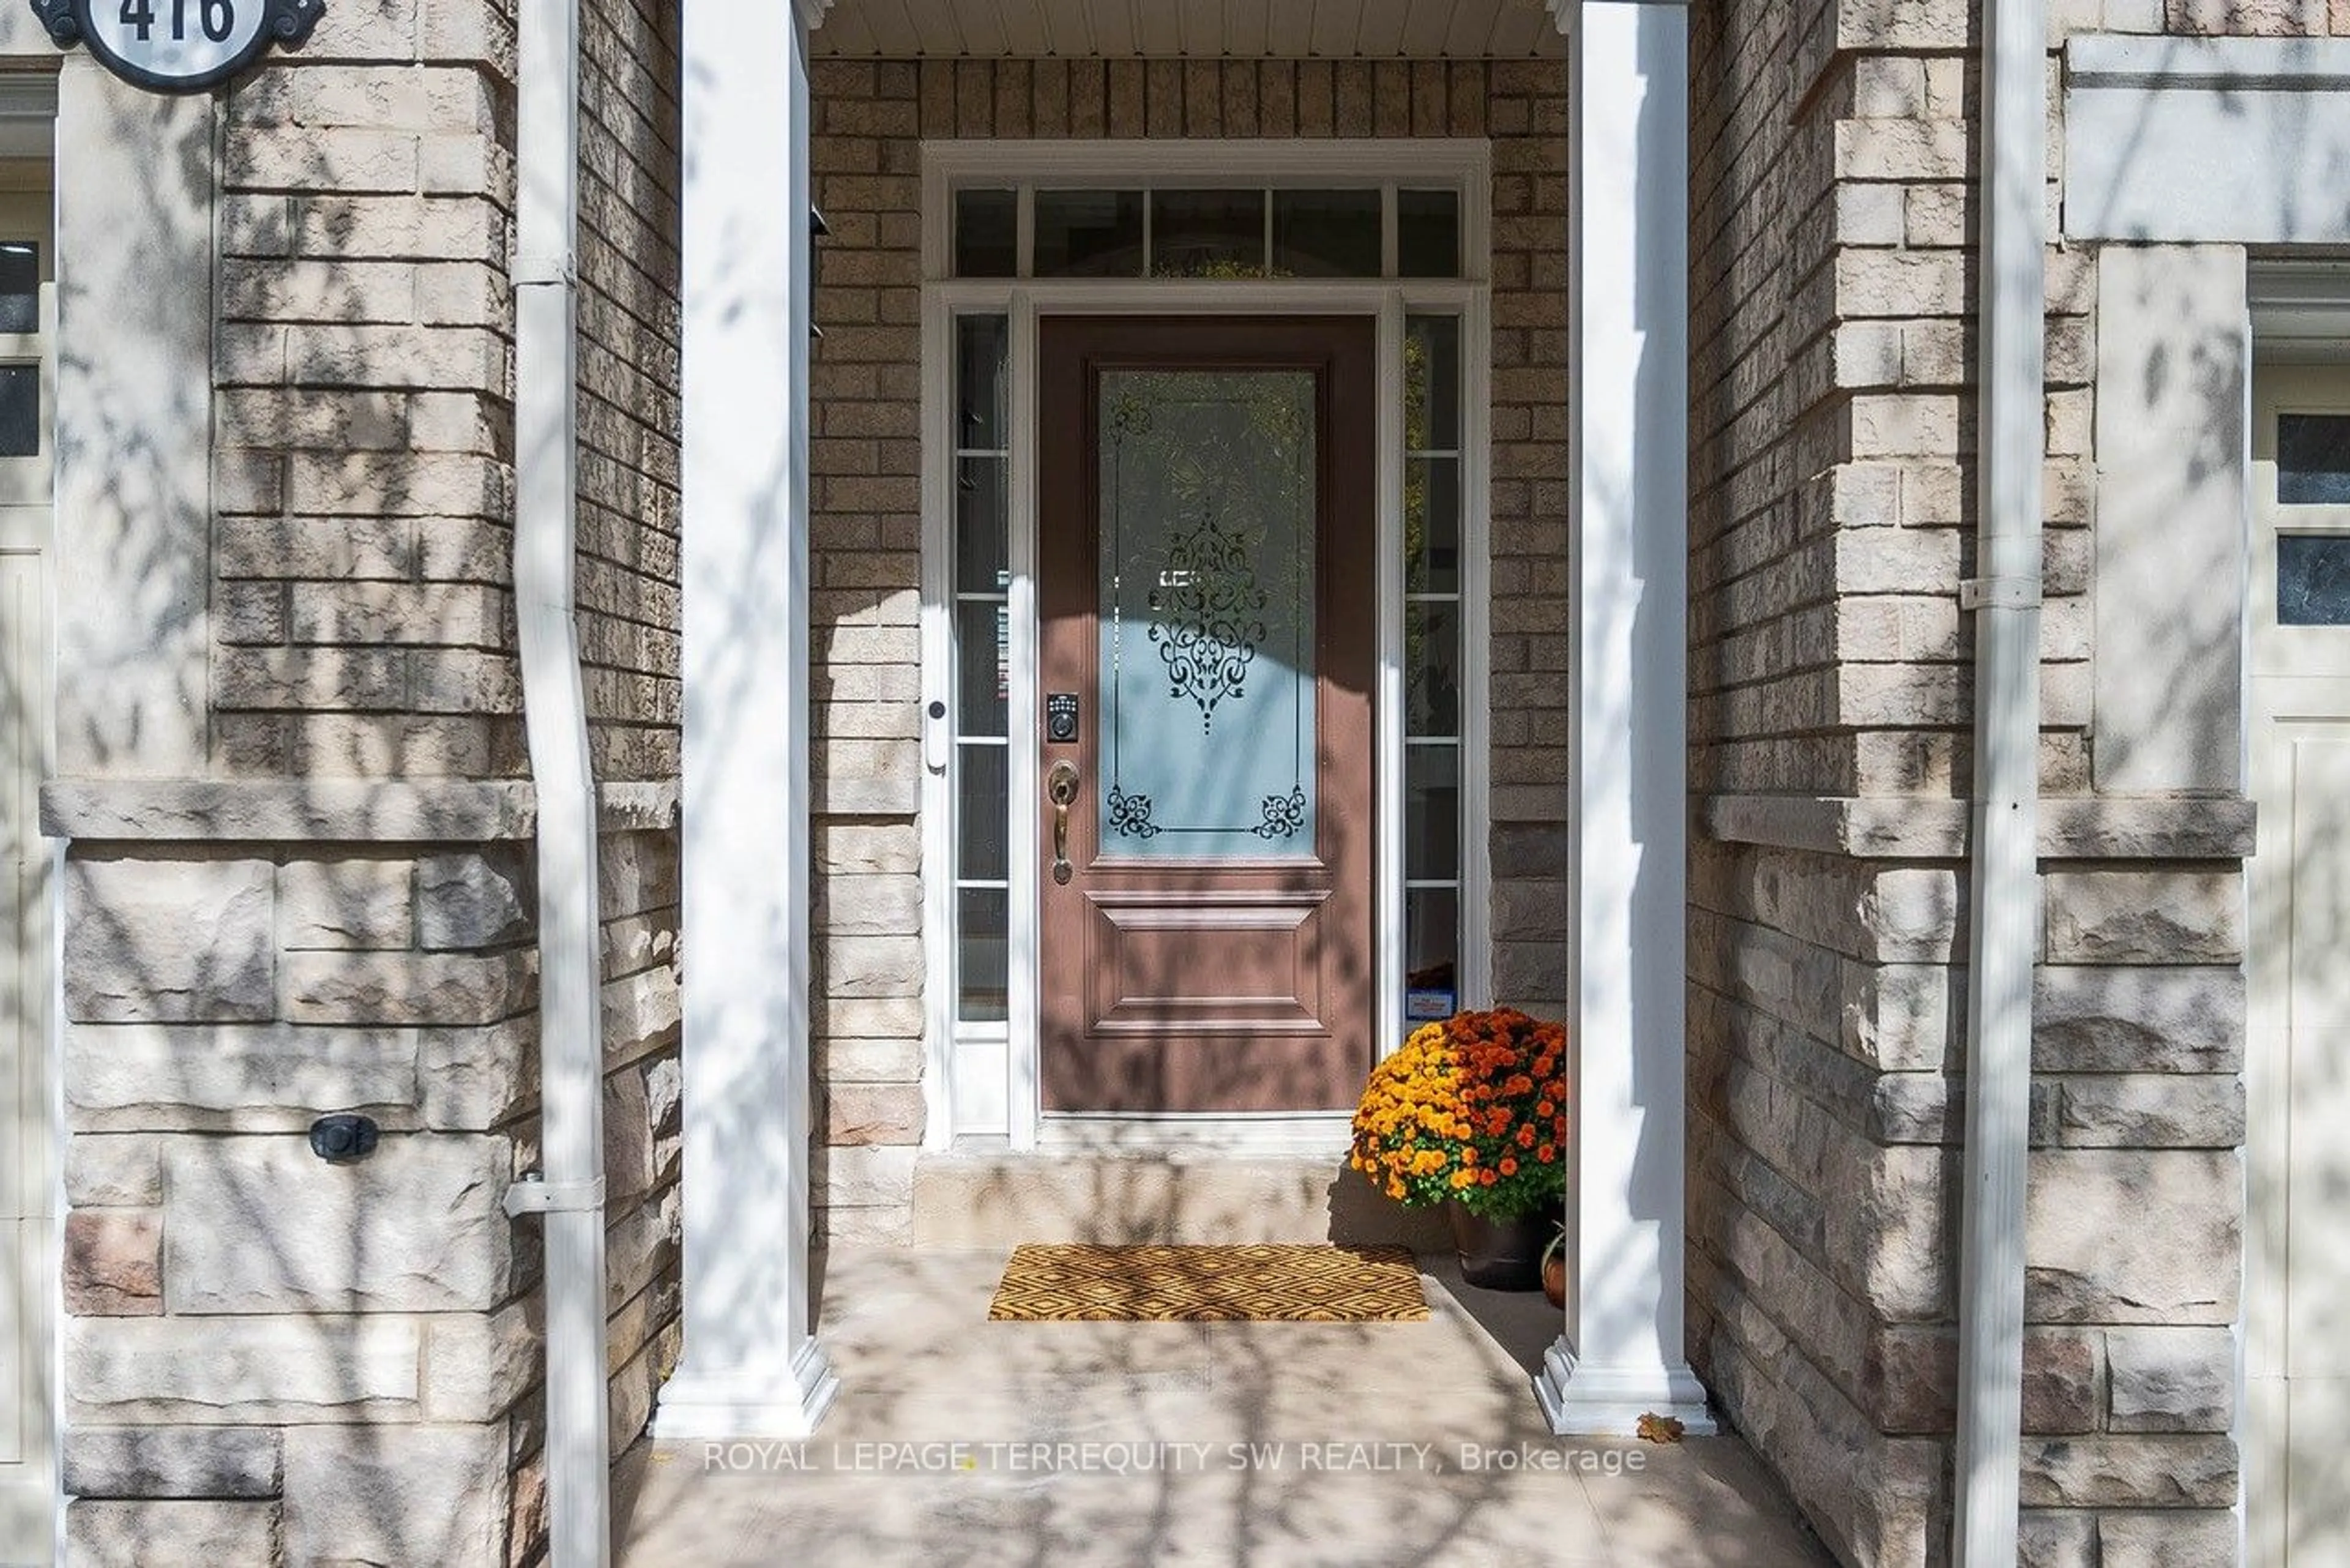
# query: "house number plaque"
178,45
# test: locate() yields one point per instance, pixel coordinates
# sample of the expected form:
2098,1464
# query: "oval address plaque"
178,46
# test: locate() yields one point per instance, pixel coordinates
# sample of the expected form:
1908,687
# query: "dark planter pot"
1501,1254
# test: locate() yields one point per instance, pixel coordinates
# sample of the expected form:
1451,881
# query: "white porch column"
1627,102
751,1365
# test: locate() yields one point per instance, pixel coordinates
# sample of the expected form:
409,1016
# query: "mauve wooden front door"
1207,586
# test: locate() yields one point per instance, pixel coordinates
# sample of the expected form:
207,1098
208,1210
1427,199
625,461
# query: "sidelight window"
1432,664
983,669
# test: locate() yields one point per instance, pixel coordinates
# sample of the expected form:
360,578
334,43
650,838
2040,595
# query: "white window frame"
981,1081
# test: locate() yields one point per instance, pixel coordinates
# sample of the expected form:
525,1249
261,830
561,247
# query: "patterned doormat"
1210,1284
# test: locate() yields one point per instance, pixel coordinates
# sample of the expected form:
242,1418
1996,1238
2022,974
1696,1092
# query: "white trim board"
1206,162
2237,140
1241,1134
982,1081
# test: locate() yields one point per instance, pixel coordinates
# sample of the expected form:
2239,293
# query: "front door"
2297,1049
1207,589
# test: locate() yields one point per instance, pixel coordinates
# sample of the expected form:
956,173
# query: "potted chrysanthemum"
1471,1113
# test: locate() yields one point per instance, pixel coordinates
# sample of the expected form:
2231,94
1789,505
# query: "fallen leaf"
1656,1428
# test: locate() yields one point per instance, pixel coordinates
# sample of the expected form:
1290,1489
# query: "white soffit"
2301,310
1239,29
2208,141
28,110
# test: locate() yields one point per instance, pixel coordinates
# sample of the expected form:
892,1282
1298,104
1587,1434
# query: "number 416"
218,18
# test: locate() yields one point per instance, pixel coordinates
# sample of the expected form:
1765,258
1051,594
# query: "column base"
724,1405
1585,1399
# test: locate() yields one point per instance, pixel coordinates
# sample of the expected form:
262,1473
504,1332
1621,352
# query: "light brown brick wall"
363,613
1524,104
865,535
630,411
866,524
362,606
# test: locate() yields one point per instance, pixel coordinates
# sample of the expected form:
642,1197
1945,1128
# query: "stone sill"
339,811
2071,828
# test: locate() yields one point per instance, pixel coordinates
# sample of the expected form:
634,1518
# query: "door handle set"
1061,789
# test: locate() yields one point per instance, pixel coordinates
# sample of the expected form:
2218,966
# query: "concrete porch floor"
1359,1445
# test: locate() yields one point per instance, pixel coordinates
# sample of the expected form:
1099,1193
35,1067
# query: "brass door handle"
1061,789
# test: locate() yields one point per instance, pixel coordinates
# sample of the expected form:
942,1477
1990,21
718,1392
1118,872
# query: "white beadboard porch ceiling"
1274,29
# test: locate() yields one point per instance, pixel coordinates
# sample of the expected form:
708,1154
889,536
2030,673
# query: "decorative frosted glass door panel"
1207,662
1208,643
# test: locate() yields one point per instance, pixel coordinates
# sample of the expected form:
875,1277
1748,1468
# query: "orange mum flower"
1462,1109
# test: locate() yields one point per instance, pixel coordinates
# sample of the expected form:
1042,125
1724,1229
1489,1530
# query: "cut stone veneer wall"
871,118
643,1114
325,903
263,1350
1833,517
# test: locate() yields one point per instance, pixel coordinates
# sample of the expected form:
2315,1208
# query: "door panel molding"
1270,938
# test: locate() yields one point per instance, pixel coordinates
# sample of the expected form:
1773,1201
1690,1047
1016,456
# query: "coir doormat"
1273,1283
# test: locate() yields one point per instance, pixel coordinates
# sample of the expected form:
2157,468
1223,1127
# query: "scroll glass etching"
1208,504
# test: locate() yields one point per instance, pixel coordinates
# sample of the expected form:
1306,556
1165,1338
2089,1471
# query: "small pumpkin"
1553,1268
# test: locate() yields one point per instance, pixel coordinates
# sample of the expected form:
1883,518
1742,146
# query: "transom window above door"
1369,231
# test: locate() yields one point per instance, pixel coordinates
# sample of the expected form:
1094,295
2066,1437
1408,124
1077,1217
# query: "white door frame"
2297,687
30,1499
984,1082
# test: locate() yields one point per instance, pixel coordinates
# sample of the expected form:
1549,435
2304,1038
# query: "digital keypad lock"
1061,718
